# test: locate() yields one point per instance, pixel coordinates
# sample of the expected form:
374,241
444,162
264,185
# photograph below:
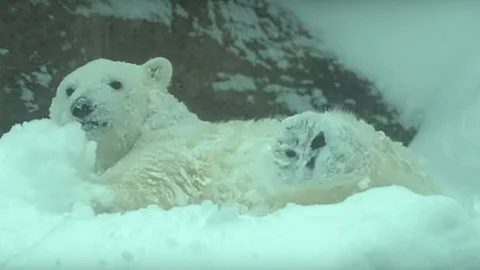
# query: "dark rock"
232,59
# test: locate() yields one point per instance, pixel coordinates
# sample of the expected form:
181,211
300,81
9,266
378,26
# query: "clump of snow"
26,95
66,46
30,152
47,223
42,77
234,82
297,99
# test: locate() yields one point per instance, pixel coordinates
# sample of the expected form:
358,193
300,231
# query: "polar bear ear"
160,70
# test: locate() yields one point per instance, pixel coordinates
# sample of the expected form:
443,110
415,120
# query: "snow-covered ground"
422,57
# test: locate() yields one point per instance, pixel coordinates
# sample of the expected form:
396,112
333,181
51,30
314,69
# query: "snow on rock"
152,10
296,99
234,21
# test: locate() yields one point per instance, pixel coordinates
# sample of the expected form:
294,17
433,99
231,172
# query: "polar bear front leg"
296,149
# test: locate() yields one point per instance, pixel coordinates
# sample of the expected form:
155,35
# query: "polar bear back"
222,163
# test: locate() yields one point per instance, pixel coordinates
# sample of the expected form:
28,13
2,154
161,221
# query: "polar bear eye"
115,85
69,91
290,153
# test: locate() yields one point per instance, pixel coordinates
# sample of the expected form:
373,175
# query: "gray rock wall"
235,59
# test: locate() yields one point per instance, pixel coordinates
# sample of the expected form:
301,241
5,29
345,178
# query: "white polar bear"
118,104
151,150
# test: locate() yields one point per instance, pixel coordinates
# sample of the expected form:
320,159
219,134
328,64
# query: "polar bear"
151,150
118,103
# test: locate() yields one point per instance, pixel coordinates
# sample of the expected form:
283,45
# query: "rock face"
233,59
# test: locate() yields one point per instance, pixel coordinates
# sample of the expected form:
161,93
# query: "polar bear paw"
297,148
327,148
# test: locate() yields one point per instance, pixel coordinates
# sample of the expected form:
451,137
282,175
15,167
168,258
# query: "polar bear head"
114,102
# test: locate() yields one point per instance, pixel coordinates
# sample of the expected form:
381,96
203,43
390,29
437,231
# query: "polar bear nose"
81,107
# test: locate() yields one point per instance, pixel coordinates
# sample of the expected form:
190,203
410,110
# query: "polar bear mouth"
91,124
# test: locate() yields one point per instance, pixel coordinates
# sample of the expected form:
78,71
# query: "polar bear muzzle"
83,109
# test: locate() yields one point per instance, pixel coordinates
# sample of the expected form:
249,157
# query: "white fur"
154,151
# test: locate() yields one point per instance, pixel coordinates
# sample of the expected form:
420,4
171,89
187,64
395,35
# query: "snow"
296,99
41,77
236,82
27,95
415,53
